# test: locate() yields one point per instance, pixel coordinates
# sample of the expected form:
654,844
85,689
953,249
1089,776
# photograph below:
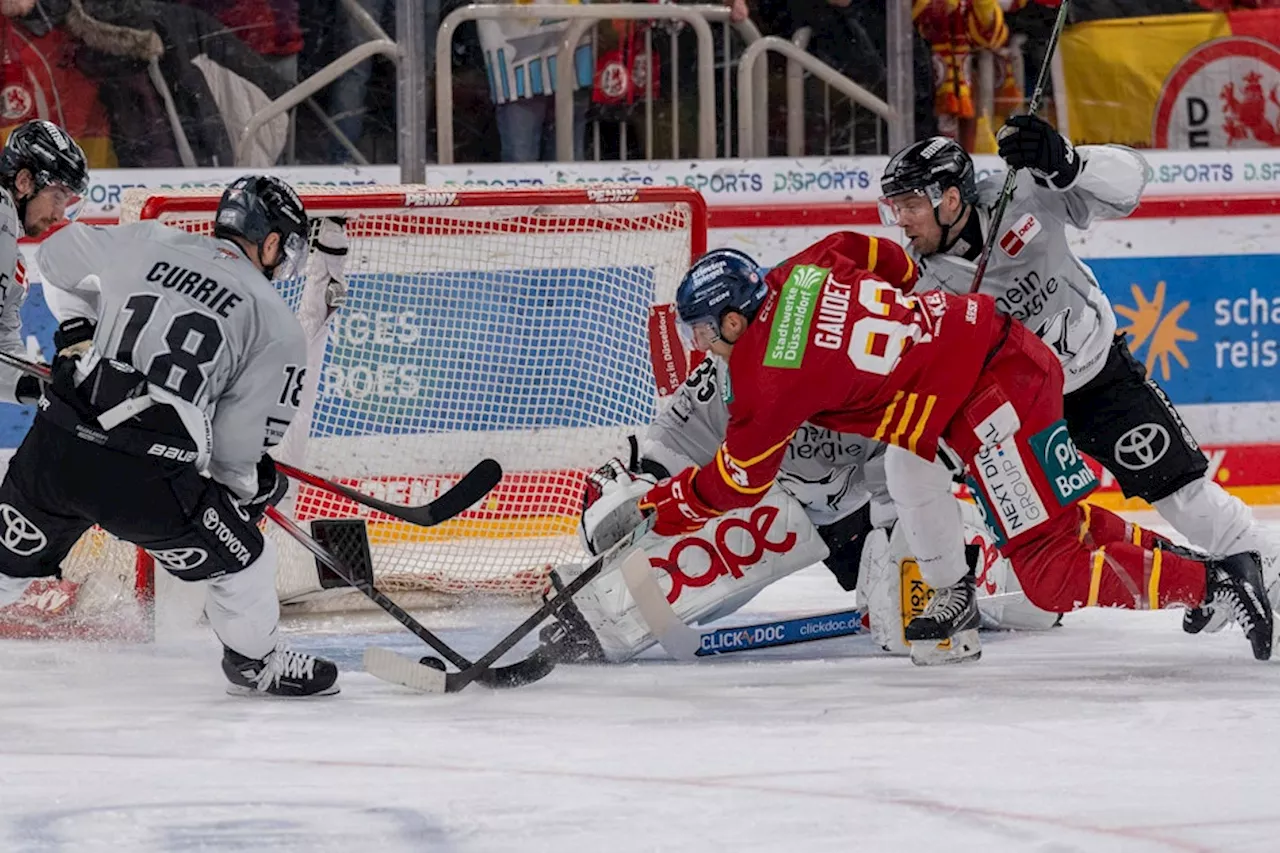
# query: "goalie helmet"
721,280
254,207
51,156
928,168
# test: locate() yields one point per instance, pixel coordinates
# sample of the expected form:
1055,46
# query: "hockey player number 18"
876,343
193,339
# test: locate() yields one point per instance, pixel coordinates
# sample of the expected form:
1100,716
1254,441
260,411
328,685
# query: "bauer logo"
1017,237
1062,464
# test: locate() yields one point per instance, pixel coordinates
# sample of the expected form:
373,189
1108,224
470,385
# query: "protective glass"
295,256
71,202
699,334
892,208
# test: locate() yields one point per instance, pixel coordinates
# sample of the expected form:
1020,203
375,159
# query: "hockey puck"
433,662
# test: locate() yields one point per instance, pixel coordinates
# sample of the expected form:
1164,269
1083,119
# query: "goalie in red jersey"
829,337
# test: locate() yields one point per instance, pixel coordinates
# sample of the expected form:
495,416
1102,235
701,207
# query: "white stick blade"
405,671
676,638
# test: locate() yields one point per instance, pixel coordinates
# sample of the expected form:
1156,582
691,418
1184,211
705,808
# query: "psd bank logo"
1150,326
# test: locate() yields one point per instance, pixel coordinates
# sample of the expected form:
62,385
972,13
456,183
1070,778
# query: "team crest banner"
1175,81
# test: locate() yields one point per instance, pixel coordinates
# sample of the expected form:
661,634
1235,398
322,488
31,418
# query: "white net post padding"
522,325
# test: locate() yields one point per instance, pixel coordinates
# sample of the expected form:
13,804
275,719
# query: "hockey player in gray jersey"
1033,275
42,175
170,383
830,504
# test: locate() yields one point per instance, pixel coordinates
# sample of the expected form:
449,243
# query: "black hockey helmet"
928,168
256,206
51,156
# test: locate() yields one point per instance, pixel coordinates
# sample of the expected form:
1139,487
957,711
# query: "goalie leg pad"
706,575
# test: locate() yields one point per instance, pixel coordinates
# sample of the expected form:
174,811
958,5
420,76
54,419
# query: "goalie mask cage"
533,326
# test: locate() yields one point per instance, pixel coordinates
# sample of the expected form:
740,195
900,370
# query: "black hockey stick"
512,675
474,485
1011,176
455,681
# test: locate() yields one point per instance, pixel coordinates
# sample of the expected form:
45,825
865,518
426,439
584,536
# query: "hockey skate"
282,672
947,630
1234,592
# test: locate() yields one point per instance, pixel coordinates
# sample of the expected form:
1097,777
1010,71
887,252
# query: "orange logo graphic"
1161,334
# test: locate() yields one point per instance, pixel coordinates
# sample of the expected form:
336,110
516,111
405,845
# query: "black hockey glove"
272,486
73,338
28,390
1028,142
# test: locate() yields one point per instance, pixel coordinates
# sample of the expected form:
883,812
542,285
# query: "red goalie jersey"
838,344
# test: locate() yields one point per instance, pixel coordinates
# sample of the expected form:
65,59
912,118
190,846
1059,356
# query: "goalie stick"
687,644
514,675
475,484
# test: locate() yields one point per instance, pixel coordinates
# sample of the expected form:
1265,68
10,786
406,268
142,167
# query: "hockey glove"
1028,142
609,509
272,486
678,507
331,252
73,338
28,390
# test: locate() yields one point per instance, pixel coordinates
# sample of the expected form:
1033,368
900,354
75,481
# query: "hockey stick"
513,675
390,666
474,485
687,644
1011,176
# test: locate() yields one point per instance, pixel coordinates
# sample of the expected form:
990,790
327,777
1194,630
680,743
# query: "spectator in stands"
957,29
40,79
178,86
348,95
519,55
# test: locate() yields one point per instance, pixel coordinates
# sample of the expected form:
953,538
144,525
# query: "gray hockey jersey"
1033,274
13,292
826,471
205,327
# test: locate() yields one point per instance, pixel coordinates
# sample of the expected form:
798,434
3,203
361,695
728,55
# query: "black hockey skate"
283,673
947,630
1234,589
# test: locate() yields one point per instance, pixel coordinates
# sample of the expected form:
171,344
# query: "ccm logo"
1019,235
164,451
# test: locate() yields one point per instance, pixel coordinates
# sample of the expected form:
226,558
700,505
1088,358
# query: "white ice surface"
1112,732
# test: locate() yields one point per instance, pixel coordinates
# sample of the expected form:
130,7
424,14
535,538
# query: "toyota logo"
180,559
20,535
1142,446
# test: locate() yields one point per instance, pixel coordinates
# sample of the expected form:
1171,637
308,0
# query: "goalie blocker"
708,575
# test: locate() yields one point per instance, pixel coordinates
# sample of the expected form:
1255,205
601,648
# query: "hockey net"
532,326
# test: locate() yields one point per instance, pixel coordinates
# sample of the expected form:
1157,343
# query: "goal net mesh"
521,326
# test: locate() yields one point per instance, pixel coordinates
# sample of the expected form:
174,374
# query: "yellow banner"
1116,72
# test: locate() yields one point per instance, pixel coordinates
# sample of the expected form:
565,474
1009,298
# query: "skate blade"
407,672
964,647
255,693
